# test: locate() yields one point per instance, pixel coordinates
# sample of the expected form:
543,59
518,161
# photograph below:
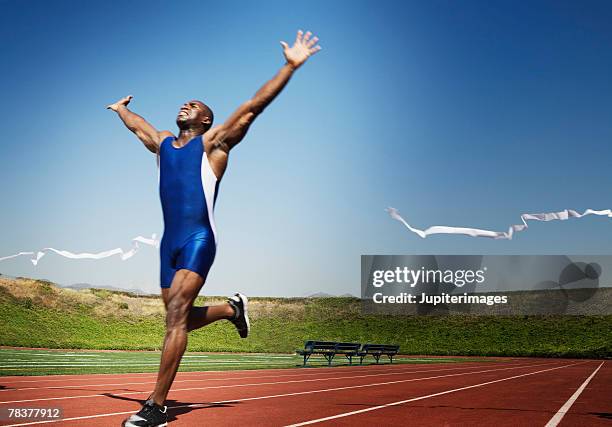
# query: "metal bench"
348,349
378,350
325,348
329,349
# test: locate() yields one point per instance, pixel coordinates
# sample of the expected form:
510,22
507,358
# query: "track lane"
55,396
78,377
238,397
524,401
594,406
283,402
72,389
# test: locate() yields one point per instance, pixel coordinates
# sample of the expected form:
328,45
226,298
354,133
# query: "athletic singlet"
188,190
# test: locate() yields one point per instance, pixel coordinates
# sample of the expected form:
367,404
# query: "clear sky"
463,113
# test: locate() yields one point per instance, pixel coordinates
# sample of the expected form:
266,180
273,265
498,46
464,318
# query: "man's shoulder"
165,134
212,133
213,138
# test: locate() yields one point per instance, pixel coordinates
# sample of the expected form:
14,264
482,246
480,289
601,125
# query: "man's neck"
186,135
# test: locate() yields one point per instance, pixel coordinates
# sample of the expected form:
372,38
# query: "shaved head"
206,111
193,114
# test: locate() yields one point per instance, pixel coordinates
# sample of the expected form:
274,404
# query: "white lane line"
153,374
401,402
79,377
62,355
267,383
22,354
15,364
27,355
104,362
35,365
22,360
275,357
556,419
11,364
299,393
353,368
297,374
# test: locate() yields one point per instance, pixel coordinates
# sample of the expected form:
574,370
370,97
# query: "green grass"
50,317
57,362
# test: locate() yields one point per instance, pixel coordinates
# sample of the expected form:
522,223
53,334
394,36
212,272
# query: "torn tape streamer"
136,242
476,232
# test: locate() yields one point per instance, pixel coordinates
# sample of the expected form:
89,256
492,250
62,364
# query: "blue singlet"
188,190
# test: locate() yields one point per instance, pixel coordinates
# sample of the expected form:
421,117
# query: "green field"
56,362
39,314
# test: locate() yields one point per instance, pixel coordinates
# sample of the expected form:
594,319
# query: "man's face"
191,114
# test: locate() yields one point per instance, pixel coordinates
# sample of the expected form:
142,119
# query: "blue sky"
463,113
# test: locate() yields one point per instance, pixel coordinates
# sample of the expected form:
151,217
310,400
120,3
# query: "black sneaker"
151,415
241,317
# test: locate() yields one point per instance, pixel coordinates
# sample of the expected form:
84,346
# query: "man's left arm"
230,133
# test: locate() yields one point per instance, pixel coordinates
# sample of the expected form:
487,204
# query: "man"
190,168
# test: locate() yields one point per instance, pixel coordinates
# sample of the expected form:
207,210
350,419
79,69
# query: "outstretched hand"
123,101
302,49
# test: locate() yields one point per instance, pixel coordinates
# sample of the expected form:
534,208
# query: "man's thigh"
186,284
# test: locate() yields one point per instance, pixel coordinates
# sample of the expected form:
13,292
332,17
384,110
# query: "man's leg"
202,316
179,300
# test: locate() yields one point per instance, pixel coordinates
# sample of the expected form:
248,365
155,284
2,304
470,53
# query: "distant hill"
319,295
326,295
79,286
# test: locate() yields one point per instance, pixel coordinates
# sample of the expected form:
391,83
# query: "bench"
329,349
378,350
348,349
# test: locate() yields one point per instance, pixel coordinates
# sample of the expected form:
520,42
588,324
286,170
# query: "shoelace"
146,410
149,408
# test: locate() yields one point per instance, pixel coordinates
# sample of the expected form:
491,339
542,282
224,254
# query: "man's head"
195,114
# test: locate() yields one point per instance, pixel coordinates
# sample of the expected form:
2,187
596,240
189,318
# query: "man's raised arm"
235,128
149,136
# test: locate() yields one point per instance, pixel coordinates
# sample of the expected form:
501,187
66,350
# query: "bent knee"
177,312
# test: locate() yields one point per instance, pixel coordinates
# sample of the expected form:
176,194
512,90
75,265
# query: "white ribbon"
476,232
136,241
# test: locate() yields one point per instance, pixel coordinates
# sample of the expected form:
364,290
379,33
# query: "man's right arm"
149,136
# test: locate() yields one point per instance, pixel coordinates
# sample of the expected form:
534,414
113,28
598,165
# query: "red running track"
513,392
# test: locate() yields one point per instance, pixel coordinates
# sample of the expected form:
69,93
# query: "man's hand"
303,48
149,136
123,101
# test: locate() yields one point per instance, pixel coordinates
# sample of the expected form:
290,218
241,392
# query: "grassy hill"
39,314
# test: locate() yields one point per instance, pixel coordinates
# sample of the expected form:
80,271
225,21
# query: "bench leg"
391,358
377,357
329,358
